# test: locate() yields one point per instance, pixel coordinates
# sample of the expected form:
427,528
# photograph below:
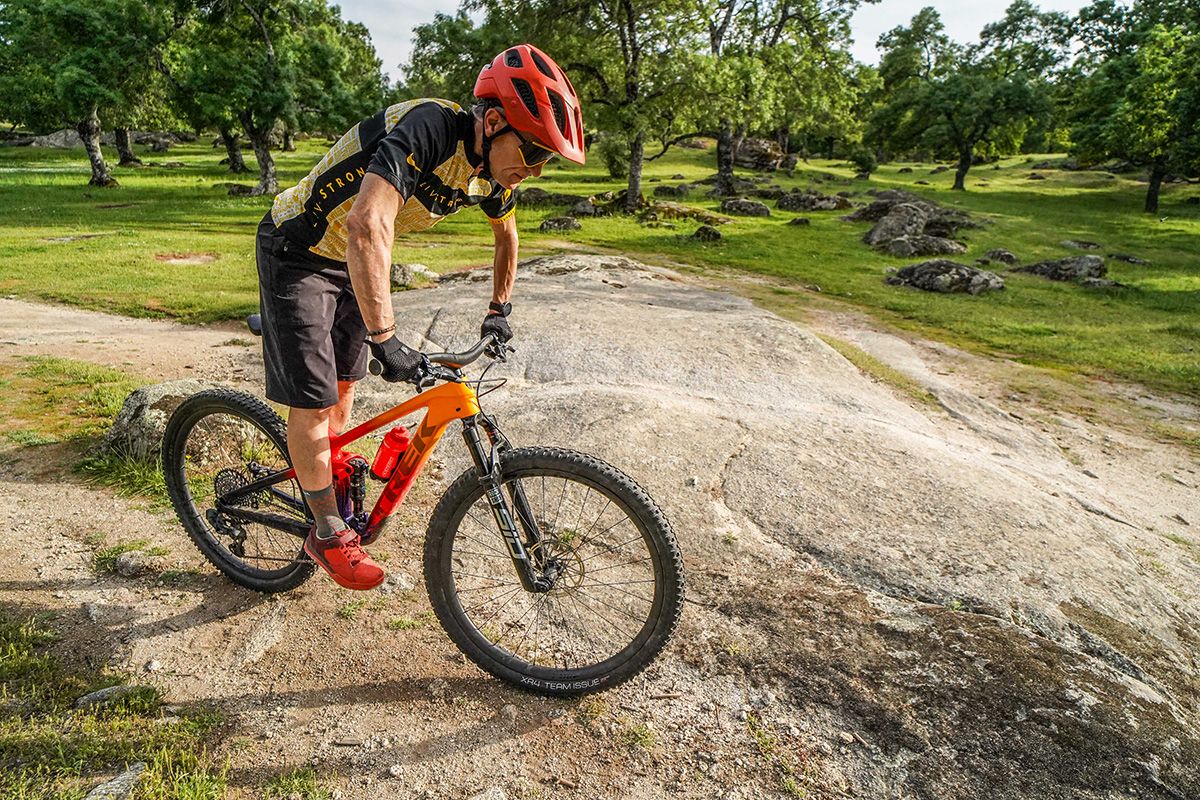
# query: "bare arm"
369,251
504,266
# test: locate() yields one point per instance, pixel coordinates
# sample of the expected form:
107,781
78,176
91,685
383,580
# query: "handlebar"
453,361
460,360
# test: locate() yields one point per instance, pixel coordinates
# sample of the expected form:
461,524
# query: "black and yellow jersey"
425,148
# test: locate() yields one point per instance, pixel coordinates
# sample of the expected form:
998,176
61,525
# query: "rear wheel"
606,551
218,441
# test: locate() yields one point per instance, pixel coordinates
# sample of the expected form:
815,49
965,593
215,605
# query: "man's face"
507,165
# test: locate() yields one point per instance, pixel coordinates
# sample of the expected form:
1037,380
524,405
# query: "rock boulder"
1075,268
922,245
745,208
408,276
559,224
941,275
762,154
810,200
903,219
138,430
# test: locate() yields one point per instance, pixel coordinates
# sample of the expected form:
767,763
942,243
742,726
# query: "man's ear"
493,121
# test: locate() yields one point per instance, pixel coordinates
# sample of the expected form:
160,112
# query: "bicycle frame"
444,404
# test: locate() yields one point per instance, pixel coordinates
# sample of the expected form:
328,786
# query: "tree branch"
594,72
262,26
678,139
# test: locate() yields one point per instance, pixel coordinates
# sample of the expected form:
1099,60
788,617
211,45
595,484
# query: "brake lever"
497,350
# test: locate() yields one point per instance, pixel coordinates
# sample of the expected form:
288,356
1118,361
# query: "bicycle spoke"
480,588
606,530
614,566
508,627
612,550
602,617
609,605
472,575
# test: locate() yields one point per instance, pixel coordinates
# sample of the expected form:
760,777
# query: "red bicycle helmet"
537,97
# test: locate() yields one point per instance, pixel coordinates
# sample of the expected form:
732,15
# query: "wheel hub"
562,569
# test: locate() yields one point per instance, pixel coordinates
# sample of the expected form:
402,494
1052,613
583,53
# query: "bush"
614,152
864,159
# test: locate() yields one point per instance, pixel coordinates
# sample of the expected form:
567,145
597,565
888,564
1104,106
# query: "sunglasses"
532,153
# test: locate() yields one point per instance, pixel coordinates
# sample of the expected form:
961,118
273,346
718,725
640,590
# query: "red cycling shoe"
344,559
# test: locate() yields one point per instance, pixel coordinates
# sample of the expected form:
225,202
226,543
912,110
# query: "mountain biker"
324,255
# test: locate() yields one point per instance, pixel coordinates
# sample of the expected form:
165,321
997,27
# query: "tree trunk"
125,149
260,139
725,159
960,174
289,140
637,151
89,131
1157,173
738,138
830,143
783,137
233,149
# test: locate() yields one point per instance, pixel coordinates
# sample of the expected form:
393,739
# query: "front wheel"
613,576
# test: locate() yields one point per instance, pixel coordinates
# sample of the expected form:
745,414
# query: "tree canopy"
1137,95
966,102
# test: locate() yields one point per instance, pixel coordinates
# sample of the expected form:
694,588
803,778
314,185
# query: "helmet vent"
560,110
512,58
541,64
526,92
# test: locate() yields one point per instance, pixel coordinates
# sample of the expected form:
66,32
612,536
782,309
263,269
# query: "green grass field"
1146,333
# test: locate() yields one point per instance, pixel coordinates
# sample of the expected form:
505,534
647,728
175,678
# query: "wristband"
382,331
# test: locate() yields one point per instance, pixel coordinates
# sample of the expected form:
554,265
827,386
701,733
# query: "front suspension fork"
487,466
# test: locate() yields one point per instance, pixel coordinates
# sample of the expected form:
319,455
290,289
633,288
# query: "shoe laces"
353,551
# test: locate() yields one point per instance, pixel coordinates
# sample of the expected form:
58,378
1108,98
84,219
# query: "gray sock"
323,503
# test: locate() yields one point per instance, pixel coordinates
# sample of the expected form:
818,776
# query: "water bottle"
390,450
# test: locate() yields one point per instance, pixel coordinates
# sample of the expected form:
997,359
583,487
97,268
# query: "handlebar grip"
375,367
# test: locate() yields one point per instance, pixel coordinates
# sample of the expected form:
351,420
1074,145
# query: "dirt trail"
804,663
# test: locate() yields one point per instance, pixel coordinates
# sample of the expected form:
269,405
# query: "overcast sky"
391,21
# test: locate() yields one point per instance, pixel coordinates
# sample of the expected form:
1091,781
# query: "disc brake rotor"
563,565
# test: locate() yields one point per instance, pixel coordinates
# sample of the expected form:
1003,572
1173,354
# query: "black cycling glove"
400,362
496,325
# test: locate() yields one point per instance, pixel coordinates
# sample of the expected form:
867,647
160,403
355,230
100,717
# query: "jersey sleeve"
418,142
500,204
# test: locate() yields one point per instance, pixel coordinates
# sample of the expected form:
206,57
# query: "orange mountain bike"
548,568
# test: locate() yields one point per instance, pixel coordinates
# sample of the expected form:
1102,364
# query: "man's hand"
400,362
496,325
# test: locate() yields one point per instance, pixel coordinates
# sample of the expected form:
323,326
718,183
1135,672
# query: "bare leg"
339,415
331,543
308,438
308,445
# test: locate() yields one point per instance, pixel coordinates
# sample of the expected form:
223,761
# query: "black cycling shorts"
313,332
